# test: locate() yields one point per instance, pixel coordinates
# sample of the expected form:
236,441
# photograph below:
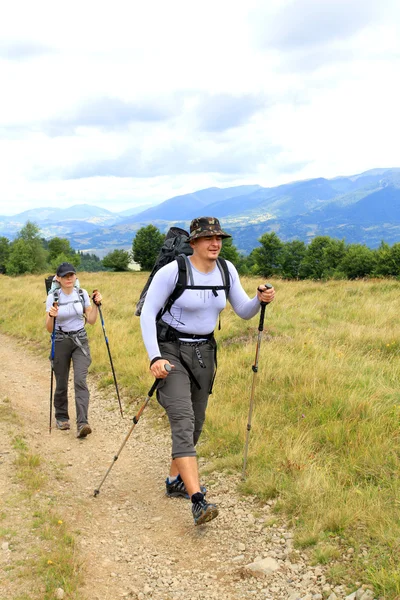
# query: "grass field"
325,437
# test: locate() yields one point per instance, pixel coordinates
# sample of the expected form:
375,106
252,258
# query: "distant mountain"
135,210
362,208
58,221
187,205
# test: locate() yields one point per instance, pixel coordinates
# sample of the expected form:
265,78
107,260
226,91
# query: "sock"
197,497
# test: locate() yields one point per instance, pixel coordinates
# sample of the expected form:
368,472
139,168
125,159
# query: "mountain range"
363,208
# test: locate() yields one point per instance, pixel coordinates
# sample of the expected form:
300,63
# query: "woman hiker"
70,307
183,338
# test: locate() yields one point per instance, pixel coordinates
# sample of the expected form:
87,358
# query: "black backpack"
176,247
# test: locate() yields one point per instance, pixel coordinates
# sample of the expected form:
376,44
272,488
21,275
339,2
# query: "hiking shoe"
63,425
83,430
203,512
177,489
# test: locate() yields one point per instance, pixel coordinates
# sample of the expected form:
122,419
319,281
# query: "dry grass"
325,437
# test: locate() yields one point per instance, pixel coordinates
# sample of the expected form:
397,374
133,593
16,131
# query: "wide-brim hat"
206,226
65,268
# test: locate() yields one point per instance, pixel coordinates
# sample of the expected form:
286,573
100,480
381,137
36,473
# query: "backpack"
176,247
53,287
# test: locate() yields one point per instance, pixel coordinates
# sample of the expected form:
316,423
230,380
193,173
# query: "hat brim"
209,233
63,274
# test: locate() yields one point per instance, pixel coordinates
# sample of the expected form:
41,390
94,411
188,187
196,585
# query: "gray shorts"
184,403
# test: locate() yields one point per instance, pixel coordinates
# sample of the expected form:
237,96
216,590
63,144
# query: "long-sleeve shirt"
195,311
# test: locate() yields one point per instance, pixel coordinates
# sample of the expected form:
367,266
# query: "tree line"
323,258
30,253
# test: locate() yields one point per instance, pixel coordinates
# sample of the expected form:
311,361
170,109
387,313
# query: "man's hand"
265,294
158,368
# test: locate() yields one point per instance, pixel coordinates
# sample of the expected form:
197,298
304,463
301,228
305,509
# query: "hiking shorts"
184,403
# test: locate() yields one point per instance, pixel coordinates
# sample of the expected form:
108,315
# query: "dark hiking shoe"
63,425
177,489
83,430
203,512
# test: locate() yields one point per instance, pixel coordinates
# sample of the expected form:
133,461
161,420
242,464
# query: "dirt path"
135,542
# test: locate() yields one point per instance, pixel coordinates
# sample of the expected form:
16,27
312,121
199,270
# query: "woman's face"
68,281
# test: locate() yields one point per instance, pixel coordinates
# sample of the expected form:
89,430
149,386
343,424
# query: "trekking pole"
254,369
109,354
53,343
135,420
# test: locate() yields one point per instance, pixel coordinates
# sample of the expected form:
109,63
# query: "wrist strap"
155,359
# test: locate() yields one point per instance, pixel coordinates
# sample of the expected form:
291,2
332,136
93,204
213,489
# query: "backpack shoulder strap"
82,299
226,279
184,268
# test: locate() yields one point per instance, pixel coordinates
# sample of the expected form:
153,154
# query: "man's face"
207,247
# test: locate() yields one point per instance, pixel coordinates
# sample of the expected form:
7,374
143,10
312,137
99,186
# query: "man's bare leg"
186,467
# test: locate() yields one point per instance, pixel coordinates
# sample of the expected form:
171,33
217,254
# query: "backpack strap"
56,297
185,273
226,282
184,267
82,298
226,278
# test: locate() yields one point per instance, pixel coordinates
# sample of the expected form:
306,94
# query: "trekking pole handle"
268,286
96,303
167,367
263,305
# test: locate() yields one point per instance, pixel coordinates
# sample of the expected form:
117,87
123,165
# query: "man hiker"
67,309
183,338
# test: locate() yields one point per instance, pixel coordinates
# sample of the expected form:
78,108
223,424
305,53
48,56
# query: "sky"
125,103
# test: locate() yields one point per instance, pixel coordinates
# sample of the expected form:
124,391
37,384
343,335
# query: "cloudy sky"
125,103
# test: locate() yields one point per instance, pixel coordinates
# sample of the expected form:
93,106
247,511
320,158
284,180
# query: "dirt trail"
135,542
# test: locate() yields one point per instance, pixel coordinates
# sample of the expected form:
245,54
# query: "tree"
268,258
359,261
57,246
27,254
146,246
4,253
385,264
118,260
230,252
395,255
90,262
293,254
333,253
314,263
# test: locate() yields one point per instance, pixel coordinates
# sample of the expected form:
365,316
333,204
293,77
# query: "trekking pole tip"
96,493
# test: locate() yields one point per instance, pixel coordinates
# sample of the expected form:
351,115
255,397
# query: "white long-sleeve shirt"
195,311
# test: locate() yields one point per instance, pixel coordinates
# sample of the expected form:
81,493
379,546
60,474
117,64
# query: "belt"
193,343
166,333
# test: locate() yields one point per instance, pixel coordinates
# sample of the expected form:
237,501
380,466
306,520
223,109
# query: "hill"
363,208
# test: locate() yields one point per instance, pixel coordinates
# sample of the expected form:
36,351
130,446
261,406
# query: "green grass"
325,436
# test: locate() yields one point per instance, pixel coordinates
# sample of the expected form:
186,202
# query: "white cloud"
123,103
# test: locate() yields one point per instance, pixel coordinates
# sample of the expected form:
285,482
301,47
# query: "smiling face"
207,248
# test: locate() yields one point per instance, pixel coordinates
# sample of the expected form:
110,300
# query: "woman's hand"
97,297
53,312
